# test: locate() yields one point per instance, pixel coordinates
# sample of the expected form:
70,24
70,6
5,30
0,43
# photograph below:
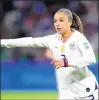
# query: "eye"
54,21
61,20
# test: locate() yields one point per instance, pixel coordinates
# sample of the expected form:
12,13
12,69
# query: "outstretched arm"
25,42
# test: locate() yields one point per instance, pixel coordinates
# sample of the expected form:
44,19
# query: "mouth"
59,29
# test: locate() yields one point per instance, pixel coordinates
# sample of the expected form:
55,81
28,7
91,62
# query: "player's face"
61,23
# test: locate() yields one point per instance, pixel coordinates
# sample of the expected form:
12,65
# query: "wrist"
66,63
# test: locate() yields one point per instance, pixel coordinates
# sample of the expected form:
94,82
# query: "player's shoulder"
81,39
78,35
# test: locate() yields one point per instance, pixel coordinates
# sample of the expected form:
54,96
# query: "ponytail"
76,23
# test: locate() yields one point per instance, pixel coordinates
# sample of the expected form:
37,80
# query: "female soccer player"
72,54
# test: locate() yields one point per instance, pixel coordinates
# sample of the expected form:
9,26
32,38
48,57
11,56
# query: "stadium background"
26,73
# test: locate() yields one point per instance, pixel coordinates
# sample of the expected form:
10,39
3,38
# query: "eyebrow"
60,18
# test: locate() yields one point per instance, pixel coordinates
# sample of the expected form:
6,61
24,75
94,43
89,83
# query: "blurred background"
26,73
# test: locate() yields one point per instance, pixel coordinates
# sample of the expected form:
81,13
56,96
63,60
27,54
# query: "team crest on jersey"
62,48
72,46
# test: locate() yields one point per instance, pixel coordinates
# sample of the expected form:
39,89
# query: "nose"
57,24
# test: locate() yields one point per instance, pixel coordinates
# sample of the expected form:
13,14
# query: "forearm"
83,61
19,42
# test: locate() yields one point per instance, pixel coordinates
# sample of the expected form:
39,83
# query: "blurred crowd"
34,18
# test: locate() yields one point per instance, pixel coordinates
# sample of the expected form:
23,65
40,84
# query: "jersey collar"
59,36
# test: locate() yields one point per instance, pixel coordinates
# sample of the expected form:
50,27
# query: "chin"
60,33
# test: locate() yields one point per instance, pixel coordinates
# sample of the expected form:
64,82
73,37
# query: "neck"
66,35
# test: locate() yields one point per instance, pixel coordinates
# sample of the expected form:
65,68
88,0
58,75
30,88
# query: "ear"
70,23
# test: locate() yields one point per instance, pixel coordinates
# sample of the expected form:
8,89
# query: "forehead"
60,15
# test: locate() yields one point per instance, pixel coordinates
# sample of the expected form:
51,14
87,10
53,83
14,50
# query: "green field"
21,95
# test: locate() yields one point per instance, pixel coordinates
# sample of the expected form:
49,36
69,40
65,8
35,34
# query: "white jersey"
77,51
